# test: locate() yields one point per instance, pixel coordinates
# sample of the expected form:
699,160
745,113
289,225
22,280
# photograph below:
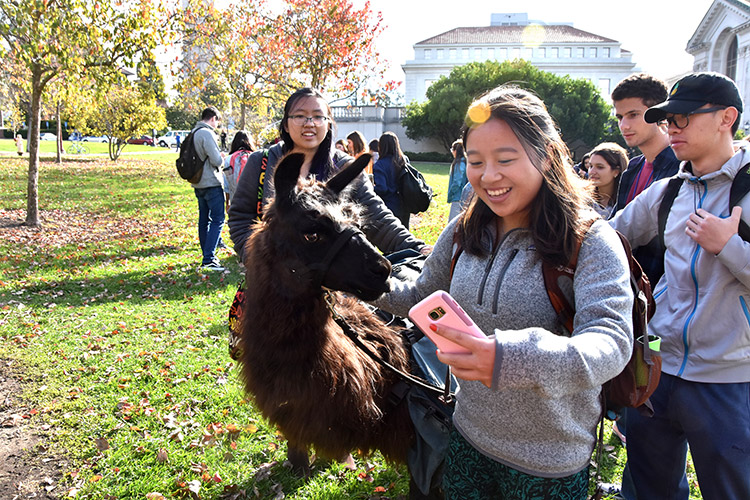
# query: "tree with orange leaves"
261,54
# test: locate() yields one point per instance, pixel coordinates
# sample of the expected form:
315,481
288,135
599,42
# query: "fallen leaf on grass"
155,496
101,444
162,456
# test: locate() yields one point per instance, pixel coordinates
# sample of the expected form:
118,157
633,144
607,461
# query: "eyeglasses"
301,120
682,121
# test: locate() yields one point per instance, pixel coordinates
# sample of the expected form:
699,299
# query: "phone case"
441,309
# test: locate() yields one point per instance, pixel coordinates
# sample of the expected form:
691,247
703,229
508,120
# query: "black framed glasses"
682,121
301,120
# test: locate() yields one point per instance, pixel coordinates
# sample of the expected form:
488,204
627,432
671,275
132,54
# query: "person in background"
703,398
177,142
582,168
374,144
223,139
385,173
606,164
357,145
240,149
526,414
19,144
209,190
307,127
341,146
457,179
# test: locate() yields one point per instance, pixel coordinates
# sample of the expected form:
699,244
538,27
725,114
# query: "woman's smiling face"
501,172
307,137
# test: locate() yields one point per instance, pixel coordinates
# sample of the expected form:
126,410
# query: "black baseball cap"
694,91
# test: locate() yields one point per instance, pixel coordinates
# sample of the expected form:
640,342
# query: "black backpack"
740,188
189,164
415,193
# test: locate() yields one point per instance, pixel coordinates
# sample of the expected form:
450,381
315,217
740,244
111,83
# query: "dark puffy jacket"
383,229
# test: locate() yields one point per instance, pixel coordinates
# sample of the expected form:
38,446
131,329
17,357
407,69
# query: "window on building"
604,86
439,53
464,53
732,59
516,53
555,53
502,54
566,52
452,53
478,54
529,54
605,52
580,52
541,52
427,54
491,54
592,52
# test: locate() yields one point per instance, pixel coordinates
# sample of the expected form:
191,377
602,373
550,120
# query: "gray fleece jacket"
383,229
206,147
702,300
540,415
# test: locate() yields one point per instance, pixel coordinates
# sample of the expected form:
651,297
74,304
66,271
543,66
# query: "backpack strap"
552,275
740,188
670,193
261,181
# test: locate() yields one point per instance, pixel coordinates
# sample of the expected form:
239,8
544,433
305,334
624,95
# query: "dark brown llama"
306,376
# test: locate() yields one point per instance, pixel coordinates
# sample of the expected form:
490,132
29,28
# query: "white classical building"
558,48
721,43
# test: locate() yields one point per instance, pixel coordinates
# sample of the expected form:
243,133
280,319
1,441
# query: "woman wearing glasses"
307,127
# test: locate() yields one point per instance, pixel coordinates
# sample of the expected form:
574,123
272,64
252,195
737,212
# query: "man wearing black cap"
702,304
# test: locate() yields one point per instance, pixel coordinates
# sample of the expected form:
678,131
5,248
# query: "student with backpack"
208,188
702,313
234,164
529,399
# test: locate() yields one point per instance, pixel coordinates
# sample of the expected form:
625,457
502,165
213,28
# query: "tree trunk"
59,134
242,116
32,192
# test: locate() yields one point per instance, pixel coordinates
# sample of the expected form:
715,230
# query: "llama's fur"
306,376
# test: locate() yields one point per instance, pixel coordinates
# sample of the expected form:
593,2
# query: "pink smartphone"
441,309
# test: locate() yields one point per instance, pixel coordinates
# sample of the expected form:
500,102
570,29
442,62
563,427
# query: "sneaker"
213,266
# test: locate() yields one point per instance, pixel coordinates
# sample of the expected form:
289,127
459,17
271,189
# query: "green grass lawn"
47,150
122,345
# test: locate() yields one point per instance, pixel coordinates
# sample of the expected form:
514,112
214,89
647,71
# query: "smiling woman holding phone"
526,413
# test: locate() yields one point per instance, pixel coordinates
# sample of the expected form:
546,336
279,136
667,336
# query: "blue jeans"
713,419
210,220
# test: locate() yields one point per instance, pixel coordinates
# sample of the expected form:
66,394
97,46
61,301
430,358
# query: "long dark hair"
555,218
458,147
241,141
388,145
358,141
322,162
615,156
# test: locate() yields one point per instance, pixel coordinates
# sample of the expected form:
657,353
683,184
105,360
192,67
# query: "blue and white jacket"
703,300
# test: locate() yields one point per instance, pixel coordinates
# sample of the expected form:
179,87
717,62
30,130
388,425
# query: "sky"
641,26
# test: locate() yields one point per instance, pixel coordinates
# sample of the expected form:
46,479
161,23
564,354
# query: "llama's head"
317,234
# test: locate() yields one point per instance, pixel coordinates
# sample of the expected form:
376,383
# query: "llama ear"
287,174
338,182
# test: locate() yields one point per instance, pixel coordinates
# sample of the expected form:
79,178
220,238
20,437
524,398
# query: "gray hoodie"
540,415
702,301
207,147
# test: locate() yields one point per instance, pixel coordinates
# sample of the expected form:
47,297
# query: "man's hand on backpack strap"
712,232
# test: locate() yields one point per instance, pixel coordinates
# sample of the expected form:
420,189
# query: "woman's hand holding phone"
461,343
477,362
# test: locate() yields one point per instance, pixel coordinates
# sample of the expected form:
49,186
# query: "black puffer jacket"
383,229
